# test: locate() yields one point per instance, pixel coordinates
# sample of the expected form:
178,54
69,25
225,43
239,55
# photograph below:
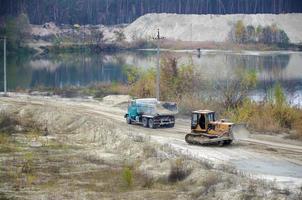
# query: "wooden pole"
158,38
4,65
158,68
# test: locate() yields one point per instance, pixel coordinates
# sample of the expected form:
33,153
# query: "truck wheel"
171,125
128,120
227,142
145,122
151,123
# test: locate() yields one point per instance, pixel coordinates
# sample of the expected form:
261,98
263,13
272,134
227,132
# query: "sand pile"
209,27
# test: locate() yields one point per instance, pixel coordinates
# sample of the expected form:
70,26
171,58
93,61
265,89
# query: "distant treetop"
125,11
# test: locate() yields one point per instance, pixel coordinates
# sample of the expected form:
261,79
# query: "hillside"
204,28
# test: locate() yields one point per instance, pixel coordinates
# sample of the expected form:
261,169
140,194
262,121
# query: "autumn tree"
267,35
145,85
176,81
235,90
240,34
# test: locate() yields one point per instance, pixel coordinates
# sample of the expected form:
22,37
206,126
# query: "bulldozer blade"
240,132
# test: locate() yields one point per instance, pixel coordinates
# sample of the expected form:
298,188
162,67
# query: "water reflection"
78,72
269,68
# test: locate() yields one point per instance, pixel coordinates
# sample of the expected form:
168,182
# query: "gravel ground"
90,136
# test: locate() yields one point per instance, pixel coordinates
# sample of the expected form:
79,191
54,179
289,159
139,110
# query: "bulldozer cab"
200,120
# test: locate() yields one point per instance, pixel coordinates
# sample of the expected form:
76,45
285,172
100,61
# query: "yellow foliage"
145,86
244,112
132,74
239,31
264,117
175,81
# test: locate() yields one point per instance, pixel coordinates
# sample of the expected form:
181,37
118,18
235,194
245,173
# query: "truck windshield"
132,103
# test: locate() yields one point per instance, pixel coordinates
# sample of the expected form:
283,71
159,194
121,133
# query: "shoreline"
112,48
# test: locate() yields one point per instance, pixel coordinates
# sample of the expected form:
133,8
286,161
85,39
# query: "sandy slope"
260,159
208,27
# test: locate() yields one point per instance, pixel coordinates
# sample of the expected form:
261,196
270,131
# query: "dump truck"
206,130
151,113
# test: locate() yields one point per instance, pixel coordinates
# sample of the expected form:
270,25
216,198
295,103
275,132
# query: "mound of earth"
203,28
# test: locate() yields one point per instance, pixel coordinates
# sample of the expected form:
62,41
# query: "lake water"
81,69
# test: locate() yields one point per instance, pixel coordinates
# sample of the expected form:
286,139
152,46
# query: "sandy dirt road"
269,160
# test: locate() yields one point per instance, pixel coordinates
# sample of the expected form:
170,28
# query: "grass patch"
128,176
7,144
4,138
27,166
57,146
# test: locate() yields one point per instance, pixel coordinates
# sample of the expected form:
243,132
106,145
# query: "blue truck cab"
151,113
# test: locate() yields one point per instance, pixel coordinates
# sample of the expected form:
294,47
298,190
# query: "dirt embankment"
51,37
90,153
53,33
208,28
180,31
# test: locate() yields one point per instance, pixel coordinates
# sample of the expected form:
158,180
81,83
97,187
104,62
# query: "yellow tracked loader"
206,130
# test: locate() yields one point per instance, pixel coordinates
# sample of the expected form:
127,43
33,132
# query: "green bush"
132,73
27,166
128,176
283,113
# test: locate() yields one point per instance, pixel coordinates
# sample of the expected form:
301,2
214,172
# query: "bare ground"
89,146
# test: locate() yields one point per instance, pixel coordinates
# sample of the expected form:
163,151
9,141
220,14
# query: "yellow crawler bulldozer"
206,130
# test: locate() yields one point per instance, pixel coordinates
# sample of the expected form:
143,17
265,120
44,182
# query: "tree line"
250,34
16,29
125,11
